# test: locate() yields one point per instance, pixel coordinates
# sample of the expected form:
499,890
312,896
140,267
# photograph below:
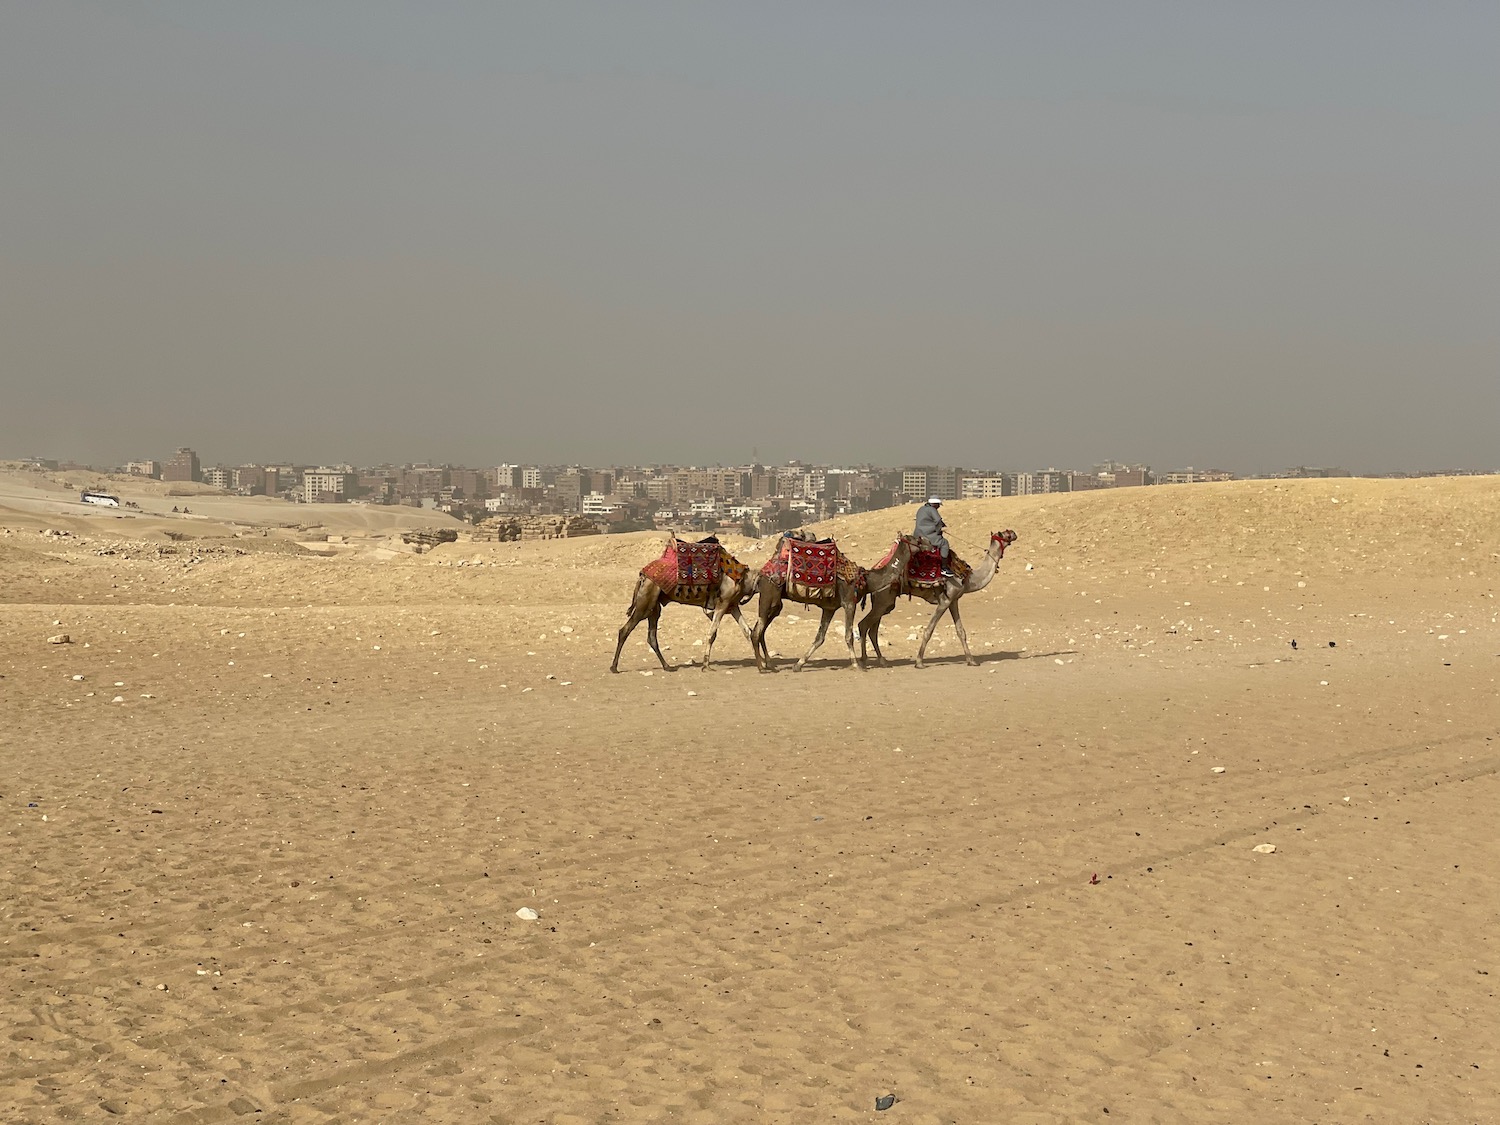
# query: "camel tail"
640,583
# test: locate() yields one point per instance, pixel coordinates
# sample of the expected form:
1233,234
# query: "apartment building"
1191,475
327,486
183,466
929,480
985,488
1049,480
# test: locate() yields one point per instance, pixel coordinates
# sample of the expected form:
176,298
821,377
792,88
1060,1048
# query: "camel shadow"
980,658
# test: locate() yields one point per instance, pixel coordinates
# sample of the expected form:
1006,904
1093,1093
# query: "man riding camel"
930,527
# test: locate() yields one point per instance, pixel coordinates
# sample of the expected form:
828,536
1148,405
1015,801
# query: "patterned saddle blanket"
924,571
692,572
812,570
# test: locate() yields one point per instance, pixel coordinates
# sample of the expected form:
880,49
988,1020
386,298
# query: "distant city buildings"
754,498
1191,475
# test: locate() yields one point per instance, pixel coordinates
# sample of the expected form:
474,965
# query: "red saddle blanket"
812,570
691,572
926,568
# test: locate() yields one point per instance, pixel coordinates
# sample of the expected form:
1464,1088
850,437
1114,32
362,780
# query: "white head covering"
934,499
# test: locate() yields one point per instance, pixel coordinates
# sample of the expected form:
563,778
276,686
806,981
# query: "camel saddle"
811,571
691,573
925,570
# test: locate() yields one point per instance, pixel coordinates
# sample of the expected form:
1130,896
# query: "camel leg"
927,632
963,636
713,632
639,607
625,630
767,613
869,629
651,620
818,640
854,660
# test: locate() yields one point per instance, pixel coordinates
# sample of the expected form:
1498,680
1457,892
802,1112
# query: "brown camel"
945,597
845,595
646,603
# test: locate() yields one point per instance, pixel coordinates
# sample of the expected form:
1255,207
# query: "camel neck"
985,571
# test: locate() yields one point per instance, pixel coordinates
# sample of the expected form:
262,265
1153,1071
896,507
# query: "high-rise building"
985,488
571,487
1030,484
218,477
662,490
327,486
472,483
942,483
183,466
928,481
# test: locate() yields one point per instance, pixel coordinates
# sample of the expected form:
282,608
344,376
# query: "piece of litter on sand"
526,914
885,1101
1264,849
1217,769
691,694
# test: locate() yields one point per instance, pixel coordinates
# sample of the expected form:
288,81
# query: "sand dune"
263,859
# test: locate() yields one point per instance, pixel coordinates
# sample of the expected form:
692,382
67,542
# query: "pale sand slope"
38,500
331,782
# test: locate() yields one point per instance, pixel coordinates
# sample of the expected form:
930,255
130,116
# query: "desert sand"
270,814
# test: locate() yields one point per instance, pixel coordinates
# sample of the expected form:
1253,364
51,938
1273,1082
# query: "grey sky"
1002,235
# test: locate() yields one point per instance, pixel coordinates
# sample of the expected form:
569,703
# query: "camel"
646,603
945,598
845,595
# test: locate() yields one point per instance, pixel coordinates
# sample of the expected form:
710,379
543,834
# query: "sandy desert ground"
268,819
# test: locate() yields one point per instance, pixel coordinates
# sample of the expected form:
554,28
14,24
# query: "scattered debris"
1264,849
59,639
526,914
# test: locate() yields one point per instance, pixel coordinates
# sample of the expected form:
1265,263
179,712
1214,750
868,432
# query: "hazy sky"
1242,235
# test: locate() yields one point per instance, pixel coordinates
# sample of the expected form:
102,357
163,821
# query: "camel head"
1003,539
